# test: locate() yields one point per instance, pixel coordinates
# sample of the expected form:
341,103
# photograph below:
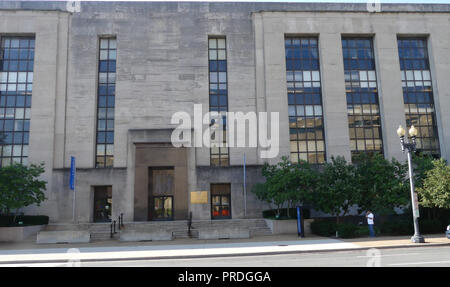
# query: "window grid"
16,76
418,93
362,96
106,103
307,140
218,95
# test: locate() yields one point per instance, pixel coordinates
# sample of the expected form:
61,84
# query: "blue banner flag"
72,173
299,222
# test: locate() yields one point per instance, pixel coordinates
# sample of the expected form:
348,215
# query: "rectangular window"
307,138
362,96
220,201
218,97
106,103
418,93
16,86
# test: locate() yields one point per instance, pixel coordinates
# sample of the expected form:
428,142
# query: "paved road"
438,256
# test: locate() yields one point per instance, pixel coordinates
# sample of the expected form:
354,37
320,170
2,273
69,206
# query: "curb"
223,255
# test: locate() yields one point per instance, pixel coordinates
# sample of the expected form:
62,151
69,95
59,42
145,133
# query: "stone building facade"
148,61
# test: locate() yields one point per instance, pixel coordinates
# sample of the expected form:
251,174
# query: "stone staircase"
179,228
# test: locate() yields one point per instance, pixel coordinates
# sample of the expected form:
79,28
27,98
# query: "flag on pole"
72,173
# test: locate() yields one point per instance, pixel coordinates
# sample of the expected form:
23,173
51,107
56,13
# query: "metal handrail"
119,221
189,223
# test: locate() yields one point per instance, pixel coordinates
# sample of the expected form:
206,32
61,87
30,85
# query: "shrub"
27,220
363,231
346,230
428,226
323,227
327,228
398,227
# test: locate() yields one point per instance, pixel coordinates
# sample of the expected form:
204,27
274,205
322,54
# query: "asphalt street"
438,256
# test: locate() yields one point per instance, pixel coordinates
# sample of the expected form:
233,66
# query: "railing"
189,223
120,221
113,228
113,225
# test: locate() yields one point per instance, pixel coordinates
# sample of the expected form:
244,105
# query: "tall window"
305,101
106,102
362,96
218,96
16,69
418,93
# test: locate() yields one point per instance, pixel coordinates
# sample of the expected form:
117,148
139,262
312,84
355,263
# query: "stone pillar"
390,92
337,137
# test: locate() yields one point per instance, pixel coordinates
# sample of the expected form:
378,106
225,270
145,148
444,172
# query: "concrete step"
102,236
184,233
101,231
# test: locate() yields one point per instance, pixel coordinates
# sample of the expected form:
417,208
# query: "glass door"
102,203
220,201
163,208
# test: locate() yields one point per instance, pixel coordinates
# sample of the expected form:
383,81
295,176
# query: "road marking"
419,263
387,255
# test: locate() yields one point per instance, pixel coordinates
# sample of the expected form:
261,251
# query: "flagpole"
245,190
72,185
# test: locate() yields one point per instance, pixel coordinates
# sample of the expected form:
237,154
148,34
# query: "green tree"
338,188
303,180
421,163
435,191
20,186
276,184
383,185
286,182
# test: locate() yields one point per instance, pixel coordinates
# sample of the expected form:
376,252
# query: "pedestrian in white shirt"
370,217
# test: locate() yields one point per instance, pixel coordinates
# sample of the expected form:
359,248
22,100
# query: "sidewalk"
29,252
398,241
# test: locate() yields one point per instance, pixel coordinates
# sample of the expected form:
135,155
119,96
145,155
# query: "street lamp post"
410,146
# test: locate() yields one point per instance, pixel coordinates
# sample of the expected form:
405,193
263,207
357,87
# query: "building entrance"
161,186
160,193
102,203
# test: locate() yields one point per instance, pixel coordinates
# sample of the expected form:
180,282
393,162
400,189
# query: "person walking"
370,217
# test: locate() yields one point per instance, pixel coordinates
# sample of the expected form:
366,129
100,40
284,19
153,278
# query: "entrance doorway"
102,203
161,193
163,207
220,201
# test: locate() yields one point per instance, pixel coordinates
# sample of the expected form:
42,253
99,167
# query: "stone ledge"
224,233
64,236
133,236
288,226
18,233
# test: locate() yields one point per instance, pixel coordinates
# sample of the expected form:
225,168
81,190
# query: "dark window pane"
103,66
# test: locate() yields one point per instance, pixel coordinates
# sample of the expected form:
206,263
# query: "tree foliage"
286,183
435,191
338,188
373,183
382,185
20,186
421,164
